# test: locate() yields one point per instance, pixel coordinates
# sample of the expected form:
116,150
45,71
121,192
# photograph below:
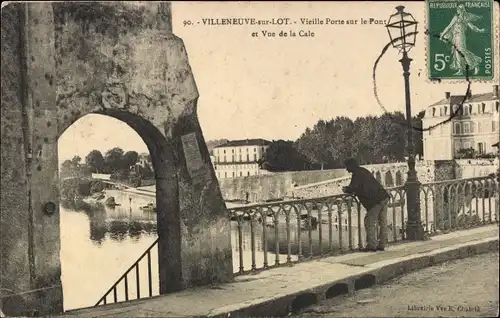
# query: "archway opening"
399,178
389,182
109,166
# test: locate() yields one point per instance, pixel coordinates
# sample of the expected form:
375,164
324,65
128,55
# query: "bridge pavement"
276,291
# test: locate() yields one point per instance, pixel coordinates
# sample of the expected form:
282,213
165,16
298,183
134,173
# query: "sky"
274,88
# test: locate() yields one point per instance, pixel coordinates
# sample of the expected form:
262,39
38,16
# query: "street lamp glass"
402,29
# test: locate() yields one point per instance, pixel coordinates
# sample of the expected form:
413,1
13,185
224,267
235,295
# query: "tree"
72,168
129,159
339,139
67,170
312,143
147,172
389,137
95,161
418,136
282,155
113,159
362,140
211,144
76,161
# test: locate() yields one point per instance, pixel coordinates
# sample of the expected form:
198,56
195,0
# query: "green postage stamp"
461,34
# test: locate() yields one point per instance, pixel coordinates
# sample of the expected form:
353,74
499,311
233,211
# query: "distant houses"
239,158
472,130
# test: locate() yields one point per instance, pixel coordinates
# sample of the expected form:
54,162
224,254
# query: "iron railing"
284,232
295,230
124,280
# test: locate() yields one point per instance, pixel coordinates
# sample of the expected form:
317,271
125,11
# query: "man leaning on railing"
374,198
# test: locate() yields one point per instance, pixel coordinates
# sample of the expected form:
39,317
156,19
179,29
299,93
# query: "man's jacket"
368,190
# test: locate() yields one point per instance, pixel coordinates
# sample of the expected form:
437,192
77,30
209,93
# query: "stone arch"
388,180
303,300
399,178
96,57
365,281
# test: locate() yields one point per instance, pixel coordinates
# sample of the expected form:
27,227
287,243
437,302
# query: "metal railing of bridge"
123,280
303,229
296,230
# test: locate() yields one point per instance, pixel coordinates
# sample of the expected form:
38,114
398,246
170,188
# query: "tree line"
115,161
371,140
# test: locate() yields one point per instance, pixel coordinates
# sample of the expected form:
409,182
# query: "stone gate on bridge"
61,61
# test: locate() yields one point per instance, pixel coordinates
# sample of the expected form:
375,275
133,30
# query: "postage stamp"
460,40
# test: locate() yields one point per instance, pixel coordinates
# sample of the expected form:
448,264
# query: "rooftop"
457,99
245,142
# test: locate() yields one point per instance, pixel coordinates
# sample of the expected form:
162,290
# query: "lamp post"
402,29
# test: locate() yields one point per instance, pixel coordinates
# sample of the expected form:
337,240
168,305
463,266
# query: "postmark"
461,40
454,113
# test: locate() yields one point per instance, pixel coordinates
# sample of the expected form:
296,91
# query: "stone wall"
272,186
390,175
469,168
62,61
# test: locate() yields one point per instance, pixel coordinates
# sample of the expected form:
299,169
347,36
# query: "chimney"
447,95
495,91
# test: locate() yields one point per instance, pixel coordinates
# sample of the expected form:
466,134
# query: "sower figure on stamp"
374,198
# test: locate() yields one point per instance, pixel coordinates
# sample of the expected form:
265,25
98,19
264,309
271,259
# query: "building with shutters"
475,125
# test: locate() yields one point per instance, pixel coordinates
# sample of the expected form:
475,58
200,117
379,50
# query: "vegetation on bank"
124,167
75,189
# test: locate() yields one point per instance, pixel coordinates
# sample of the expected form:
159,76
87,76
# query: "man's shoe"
368,249
380,248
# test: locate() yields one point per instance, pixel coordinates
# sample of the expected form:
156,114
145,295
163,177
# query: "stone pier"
61,61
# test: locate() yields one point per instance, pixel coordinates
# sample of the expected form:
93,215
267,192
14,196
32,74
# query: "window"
224,151
457,146
456,129
224,158
232,150
248,157
433,111
445,110
481,148
254,149
483,107
225,174
467,145
248,173
240,155
254,157
466,110
498,106
466,128
241,174
233,174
